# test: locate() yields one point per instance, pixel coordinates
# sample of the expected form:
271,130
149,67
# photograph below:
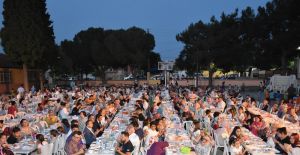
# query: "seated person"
265,105
26,130
40,141
75,146
51,118
274,109
139,131
3,129
235,146
15,137
89,134
40,108
257,125
158,148
4,145
75,110
197,128
292,116
294,148
12,109
237,133
126,146
281,140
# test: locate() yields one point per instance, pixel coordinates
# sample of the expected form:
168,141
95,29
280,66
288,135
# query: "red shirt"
12,110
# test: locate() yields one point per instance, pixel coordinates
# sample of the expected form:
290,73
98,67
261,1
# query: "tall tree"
280,21
202,41
27,34
96,49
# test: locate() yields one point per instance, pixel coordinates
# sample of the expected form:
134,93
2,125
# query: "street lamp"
298,63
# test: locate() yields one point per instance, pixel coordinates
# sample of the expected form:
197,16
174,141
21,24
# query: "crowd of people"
78,117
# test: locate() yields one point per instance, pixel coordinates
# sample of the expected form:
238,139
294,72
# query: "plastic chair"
226,146
44,124
35,128
188,125
55,147
218,145
203,150
47,149
61,144
9,116
21,114
142,150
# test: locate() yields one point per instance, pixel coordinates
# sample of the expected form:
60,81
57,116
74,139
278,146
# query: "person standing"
32,89
21,90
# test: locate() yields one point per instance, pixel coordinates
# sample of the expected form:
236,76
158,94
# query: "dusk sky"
163,18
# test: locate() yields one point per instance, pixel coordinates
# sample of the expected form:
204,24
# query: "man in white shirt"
220,104
151,135
134,139
63,113
21,89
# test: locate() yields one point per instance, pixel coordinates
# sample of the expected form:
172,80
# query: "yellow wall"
17,78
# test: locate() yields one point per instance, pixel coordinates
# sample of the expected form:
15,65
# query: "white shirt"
69,133
221,106
145,105
270,142
295,151
135,140
64,113
39,146
21,90
151,134
235,151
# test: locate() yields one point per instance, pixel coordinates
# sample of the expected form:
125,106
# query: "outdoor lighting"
298,48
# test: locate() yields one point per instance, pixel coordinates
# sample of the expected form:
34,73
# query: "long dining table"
273,119
105,145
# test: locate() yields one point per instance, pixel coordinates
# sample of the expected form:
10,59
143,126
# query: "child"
40,141
235,146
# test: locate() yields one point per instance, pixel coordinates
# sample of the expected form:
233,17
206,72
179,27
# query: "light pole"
298,63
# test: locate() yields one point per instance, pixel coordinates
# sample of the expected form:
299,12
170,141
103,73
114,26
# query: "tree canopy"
267,39
27,34
96,49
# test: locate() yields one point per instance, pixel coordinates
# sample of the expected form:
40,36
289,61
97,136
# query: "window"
5,77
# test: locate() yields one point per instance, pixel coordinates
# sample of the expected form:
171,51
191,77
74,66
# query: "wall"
216,82
16,80
119,82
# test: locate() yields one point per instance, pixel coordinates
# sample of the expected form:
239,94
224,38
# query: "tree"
202,43
280,21
266,40
96,49
27,34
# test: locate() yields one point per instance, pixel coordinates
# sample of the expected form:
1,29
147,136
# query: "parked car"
129,77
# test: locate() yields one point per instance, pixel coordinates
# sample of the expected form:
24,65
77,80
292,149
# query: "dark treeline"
96,50
266,38
27,38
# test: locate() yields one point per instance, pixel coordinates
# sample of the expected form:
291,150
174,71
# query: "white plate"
26,148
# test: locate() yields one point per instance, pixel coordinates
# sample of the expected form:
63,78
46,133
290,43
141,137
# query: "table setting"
105,145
